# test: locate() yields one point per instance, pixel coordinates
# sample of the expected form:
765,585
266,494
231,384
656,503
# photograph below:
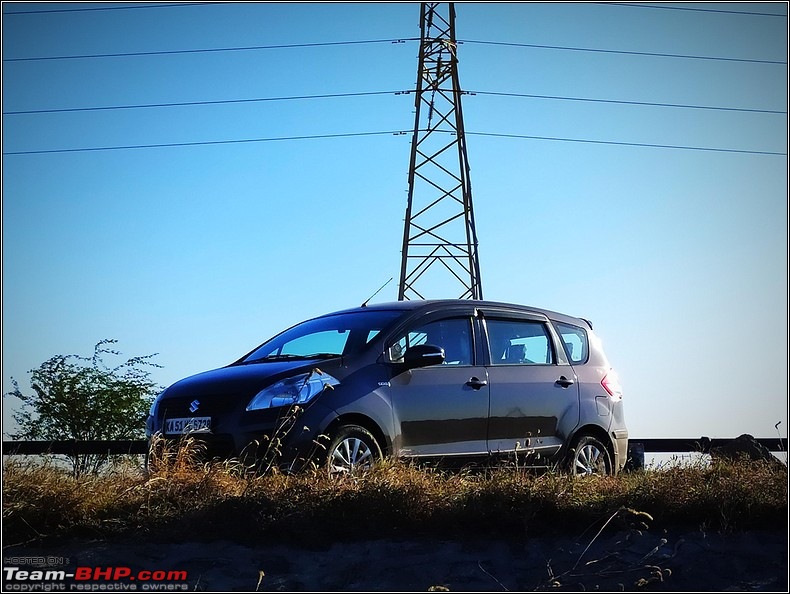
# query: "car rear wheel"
353,449
589,456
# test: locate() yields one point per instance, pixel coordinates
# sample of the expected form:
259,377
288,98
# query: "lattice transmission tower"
439,256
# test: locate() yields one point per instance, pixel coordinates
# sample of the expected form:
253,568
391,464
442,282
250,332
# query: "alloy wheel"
351,455
590,458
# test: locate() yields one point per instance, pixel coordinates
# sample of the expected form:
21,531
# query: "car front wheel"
353,449
590,456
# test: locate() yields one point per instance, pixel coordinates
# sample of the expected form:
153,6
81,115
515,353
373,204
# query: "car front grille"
204,406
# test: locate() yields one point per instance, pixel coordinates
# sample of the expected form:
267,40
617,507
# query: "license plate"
188,425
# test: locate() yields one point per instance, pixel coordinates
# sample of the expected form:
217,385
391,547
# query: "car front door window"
453,335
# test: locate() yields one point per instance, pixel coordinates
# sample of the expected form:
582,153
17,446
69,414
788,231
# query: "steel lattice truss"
439,240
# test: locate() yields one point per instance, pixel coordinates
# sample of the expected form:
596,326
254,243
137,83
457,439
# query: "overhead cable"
374,93
207,50
199,143
400,40
389,133
635,144
190,103
96,8
621,52
624,102
743,12
183,4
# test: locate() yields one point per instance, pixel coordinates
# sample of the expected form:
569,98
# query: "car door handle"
564,381
476,383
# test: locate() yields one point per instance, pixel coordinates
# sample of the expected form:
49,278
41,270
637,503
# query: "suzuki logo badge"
194,405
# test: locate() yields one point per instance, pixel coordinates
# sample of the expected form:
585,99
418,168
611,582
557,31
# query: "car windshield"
327,336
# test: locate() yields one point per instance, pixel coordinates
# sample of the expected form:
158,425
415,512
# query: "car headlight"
149,422
298,389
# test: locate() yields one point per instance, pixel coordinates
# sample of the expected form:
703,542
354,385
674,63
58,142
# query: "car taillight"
611,383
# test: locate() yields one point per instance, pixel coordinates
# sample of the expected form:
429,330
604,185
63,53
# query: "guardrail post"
636,457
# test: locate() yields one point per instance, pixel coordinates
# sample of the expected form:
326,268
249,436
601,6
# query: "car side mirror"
423,355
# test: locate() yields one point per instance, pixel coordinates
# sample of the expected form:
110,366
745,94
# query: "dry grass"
227,501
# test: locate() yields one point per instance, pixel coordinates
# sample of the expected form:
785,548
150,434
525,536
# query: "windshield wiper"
322,356
287,357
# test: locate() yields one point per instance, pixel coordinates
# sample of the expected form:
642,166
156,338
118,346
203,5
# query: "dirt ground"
611,561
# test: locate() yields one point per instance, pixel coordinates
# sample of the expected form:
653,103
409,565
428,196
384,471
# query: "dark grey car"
412,379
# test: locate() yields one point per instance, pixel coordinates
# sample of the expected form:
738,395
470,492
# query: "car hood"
239,379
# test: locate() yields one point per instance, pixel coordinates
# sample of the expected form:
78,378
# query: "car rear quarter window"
519,342
574,341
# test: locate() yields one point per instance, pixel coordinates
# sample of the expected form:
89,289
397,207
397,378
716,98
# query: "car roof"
438,304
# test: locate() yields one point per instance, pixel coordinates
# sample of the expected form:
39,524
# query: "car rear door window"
519,342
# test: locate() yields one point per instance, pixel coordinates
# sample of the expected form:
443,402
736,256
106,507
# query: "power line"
635,144
622,52
206,50
624,102
95,8
180,4
392,133
191,103
375,93
743,12
201,143
372,41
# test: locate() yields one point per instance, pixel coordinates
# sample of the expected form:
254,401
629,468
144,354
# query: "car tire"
589,456
353,449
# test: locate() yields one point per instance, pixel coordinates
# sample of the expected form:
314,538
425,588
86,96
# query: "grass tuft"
228,500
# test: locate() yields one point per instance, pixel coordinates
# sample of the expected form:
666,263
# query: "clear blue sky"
199,253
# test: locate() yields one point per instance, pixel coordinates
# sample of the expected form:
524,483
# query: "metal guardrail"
73,447
140,446
674,445
753,448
